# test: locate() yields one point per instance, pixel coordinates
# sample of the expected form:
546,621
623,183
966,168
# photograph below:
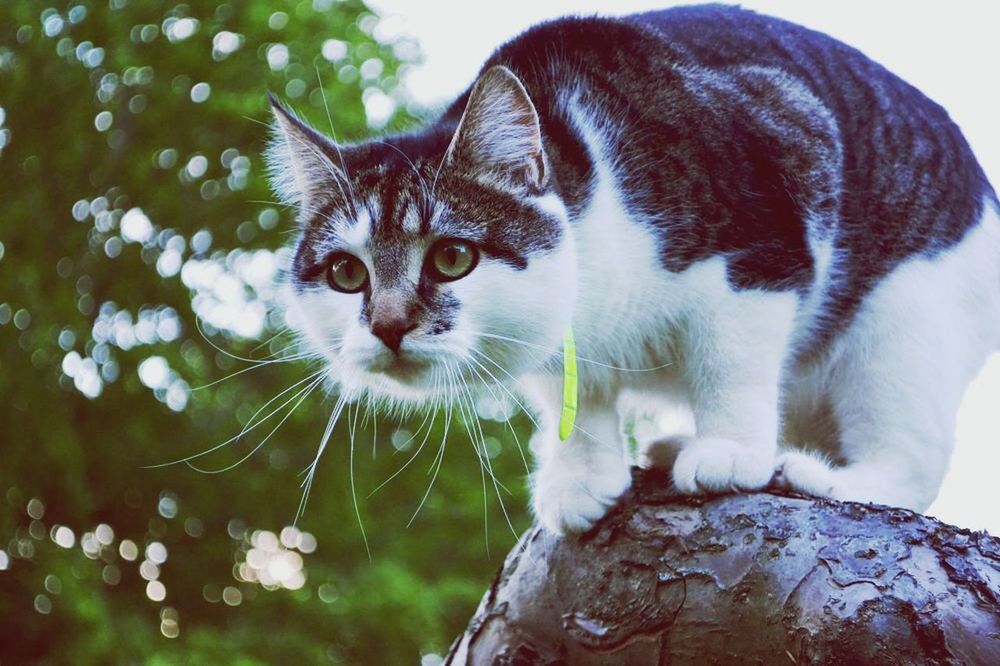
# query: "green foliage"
134,197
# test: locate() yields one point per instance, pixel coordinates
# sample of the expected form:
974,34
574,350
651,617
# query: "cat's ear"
301,160
499,134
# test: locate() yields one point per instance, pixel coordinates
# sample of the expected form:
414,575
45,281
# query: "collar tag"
570,387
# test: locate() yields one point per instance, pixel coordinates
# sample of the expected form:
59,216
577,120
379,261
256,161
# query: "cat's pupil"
451,260
346,273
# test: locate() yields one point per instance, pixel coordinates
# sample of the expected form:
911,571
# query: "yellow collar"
571,387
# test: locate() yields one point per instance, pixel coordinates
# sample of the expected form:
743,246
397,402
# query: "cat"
731,213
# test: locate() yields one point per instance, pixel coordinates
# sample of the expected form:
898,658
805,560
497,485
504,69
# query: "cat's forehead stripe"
412,220
356,233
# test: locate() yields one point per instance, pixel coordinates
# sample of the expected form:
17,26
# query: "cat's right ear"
301,161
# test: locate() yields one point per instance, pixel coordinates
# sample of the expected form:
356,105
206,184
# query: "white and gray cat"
792,242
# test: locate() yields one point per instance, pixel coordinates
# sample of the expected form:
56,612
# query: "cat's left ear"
499,134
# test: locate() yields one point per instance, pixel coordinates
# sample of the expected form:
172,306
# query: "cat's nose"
391,320
391,333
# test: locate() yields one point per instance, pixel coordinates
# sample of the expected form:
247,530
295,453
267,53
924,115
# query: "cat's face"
416,251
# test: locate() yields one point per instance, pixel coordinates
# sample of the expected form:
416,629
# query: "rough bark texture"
760,578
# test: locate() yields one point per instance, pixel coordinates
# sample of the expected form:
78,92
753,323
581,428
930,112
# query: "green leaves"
133,199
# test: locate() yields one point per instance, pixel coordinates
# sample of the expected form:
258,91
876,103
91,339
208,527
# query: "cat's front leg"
733,356
576,481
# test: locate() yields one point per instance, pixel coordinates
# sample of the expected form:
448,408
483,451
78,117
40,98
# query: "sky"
947,49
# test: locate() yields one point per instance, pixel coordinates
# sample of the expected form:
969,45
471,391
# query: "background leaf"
133,198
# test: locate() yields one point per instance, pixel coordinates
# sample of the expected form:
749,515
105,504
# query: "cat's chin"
403,369
402,380
416,392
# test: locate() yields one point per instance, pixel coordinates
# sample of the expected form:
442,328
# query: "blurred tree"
134,207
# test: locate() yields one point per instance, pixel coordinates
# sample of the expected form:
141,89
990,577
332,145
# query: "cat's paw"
570,499
812,475
806,474
720,465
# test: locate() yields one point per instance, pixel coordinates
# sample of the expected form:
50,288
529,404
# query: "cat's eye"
346,273
451,259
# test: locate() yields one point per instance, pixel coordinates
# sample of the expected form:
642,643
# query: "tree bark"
752,578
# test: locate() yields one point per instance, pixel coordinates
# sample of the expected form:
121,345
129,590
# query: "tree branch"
758,578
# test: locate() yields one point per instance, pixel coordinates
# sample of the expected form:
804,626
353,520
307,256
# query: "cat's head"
417,249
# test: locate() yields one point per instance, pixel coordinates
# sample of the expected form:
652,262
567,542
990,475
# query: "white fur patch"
357,235
896,376
641,328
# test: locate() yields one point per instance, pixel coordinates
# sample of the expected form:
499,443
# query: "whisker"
338,179
333,135
513,397
292,345
250,425
595,439
254,120
559,352
260,364
412,457
353,411
304,393
502,386
310,471
482,474
270,202
432,415
367,417
477,422
201,331
271,339
354,501
420,178
485,458
507,422
438,460
402,447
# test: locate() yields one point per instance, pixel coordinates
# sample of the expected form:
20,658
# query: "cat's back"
880,116
911,184
908,183
900,148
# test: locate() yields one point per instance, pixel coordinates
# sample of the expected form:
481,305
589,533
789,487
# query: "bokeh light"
145,252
